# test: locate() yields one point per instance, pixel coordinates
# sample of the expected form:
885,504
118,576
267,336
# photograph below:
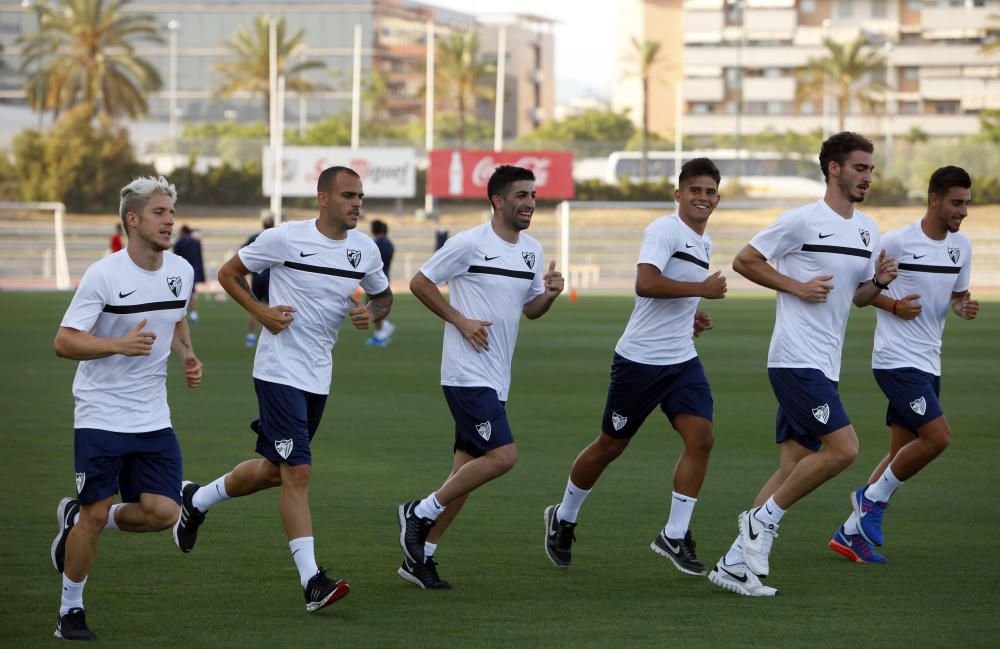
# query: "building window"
913,5
909,108
946,107
807,108
807,6
879,9
845,8
774,108
911,74
733,78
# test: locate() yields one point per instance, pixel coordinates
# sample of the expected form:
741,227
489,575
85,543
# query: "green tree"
989,125
462,77
915,135
844,69
84,53
250,70
77,162
590,126
645,57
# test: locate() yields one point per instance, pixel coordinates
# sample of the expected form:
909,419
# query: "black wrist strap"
877,284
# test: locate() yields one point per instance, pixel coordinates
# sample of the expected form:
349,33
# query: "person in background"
188,247
382,335
259,283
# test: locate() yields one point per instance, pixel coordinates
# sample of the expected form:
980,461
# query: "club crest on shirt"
354,256
174,284
618,421
919,406
81,479
954,253
866,236
284,447
822,413
529,258
485,430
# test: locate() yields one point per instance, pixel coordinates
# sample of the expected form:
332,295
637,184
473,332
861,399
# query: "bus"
764,174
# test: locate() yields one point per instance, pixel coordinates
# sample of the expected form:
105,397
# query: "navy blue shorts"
913,396
128,463
808,405
480,419
636,389
288,420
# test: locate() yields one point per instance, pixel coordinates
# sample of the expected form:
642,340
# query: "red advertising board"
459,173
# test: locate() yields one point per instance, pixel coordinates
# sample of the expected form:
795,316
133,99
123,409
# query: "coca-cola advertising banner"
459,173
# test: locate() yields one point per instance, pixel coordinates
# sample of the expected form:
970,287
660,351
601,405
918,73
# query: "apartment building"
740,59
393,44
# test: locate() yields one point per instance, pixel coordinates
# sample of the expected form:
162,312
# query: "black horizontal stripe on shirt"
837,250
923,268
323,270
122,309
506,272
694,260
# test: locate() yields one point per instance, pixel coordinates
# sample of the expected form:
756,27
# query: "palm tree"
645,57
250,71
845,69
84,53
464,77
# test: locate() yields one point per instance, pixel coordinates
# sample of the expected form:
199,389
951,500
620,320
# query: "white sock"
429,549
72,594
681,508
735,554
769,512
573,498
112,524
210,495
883,488
851,524
305,558
429,508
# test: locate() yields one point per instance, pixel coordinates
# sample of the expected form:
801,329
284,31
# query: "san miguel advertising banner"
386,172
459,173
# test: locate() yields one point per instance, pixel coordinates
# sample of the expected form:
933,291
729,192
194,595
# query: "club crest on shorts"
174,284
485,430
354,256
866,236
81,479
919,406
822,413
284,447
618,421
529,258
954,253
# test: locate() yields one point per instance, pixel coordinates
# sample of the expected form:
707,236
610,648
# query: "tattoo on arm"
184,342
380,304
241,281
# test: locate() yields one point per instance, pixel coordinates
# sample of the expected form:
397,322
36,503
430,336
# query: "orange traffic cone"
572,295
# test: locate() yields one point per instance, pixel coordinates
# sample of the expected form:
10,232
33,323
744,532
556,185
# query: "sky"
584,39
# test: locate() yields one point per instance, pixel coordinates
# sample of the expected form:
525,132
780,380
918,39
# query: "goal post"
61,274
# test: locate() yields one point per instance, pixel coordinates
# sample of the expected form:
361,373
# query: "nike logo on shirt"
124,295
491,258
919,256
304,254
824,236
688,245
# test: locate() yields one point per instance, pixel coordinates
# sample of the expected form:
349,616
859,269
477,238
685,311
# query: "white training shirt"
933,270
317,276
127,394
660,331
489,280
807,242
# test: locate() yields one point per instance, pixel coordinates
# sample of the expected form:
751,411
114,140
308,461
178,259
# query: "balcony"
769,89
943,22
704,90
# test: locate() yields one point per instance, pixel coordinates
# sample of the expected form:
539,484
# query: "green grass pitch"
386,438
